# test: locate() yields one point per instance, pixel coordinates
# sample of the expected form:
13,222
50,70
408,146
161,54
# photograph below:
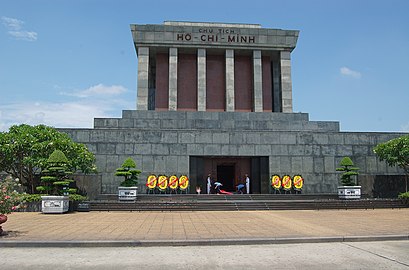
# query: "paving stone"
106,226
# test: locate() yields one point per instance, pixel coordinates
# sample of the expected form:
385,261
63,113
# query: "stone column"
286,85
229,80
257,82
143,73
276,87
173,79
201,80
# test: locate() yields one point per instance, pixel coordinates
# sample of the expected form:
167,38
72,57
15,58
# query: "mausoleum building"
216,98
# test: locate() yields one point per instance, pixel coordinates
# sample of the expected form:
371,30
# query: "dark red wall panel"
215,83
243,83
187,82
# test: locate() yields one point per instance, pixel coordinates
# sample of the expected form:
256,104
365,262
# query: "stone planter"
34,206
349,192
127,193
405,201
54,204
83,207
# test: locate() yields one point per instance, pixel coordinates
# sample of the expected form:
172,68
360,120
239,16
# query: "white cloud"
24,35
97,90
350,73
11,23
15,29
66,114
53,114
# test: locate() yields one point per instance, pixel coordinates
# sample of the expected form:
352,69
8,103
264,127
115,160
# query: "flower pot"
54,204
349,192
127,193
3,218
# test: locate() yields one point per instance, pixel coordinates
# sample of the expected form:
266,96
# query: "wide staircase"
237,202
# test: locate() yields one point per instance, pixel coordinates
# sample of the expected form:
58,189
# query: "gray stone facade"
165,142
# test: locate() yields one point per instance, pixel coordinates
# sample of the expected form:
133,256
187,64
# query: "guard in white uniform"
247,184
209,184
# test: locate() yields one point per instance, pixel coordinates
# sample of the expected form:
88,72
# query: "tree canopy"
25,149
396,153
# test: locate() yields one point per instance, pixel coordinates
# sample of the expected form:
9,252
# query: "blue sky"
62,63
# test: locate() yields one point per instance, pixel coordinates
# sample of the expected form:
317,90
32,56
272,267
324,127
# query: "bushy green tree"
56,177
349,171
24,151
129,172
396,153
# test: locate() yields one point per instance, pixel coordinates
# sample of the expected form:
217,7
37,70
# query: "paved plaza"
190,228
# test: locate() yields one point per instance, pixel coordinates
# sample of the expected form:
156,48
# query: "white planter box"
127,193
55,204
349,192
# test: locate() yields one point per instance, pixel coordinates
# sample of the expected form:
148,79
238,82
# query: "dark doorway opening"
226,175
230,170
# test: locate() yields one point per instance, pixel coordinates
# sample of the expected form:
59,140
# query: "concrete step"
241,205
215,197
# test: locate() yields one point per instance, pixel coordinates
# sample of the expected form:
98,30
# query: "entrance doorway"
226,175
230,171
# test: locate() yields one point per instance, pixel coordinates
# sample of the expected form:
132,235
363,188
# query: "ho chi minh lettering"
211,35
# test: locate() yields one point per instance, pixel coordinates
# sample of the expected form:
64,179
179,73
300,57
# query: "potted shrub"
128,189
31,202
404,198
349,188
56,184
78,203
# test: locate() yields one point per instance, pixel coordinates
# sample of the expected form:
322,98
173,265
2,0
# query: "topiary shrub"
55,178
347,166
129,172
